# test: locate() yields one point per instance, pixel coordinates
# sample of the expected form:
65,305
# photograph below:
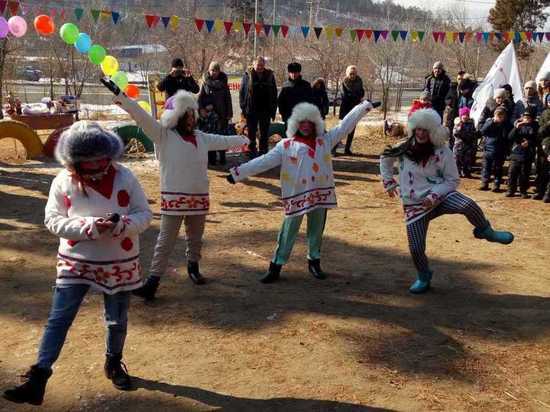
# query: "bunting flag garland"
105,14
174,22
284,30
421,35
209,25
237,26
199,23
394,35
461,36
3,4
318,31
353,34
78,13
329,32
403,35
115,16
486,37
267,29
95,15
360,34
218,26
376,35
368,33
414,36
276,29
258,27
305,31
246,27
151,20
165,21
338,31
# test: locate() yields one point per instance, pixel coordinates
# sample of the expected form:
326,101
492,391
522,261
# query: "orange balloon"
132,91
44,25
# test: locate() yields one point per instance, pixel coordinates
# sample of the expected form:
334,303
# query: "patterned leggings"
455,203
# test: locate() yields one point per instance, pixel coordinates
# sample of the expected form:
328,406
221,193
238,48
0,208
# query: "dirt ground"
357,341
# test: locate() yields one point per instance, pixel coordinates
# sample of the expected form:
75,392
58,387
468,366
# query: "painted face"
422,136
306,128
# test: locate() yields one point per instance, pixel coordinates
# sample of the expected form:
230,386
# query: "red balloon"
132,91
44,25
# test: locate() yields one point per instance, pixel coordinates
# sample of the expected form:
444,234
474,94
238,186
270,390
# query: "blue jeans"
65,305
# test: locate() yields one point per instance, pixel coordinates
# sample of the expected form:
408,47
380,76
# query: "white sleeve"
348,123
387,164
152,128
220,142
271,159
139,216
58,222
450,176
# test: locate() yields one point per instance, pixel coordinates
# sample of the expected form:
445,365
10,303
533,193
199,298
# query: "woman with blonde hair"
352,94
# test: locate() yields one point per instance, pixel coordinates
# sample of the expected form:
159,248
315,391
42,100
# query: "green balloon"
120,79
69,33
96,54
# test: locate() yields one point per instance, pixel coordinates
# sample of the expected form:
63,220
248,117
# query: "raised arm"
219,142
271,159
150,125
348,123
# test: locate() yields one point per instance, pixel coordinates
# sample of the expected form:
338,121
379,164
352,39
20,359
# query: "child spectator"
524,139
423,102
465,145
208,120
97,208
495,147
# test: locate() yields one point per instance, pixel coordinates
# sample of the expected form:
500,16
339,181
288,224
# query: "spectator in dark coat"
258,101
215,91
352,94
466,90
438,85
295,90
179,78
543,156
320,96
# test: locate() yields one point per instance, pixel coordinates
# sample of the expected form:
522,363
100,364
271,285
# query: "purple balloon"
169,103
4,28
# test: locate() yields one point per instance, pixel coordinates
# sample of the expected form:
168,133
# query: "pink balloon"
17,26
4,28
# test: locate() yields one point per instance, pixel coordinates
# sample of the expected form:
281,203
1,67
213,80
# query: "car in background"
30,74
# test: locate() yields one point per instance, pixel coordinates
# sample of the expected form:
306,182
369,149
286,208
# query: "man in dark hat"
295,90
179,78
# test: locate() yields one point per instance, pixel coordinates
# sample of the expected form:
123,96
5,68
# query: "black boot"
33,387
116,371
272,274
149,288
484,186
314,267
195,274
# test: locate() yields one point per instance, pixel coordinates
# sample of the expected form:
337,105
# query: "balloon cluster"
82,42
16,25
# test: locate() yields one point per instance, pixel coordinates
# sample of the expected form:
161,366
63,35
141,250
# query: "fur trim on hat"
182,101
430,120
305,111
500,93
86,141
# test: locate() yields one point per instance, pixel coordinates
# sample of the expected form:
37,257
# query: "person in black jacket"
320,96
543,174
215,91
524,139
179,78
495,133
295,90
258,101
352,94
438,85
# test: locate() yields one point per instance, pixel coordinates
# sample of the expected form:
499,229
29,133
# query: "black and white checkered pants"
455,203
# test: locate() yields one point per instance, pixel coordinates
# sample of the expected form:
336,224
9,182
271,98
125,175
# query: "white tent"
544,68
504,71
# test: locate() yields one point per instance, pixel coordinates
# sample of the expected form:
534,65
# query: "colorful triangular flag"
376,35
360,34
246,27
218,25
368,33
209,25
318,31
78,13
276,29
394,35
115,16
14,7
199,23
461,36
267,29
305,31
403,34
174,22
95,14
421,35
353,34
284,30
338,31
258,27
165,21
151,20
329,32
227,26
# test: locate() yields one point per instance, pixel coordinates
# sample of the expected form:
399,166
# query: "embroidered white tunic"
438,178
108,261
307,179
183,162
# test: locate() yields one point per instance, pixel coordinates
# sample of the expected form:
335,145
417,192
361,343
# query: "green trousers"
291,226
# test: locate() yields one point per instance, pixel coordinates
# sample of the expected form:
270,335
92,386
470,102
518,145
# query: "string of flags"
227,27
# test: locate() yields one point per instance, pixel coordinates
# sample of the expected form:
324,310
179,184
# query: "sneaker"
149,288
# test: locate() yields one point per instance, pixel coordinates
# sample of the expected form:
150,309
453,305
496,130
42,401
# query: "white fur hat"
86,141
429,120
500,93
305,111
176,106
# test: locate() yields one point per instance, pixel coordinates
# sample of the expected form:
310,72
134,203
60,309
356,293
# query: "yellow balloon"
145,106
109,65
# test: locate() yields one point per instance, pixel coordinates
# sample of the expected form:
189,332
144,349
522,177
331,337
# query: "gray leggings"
169,230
